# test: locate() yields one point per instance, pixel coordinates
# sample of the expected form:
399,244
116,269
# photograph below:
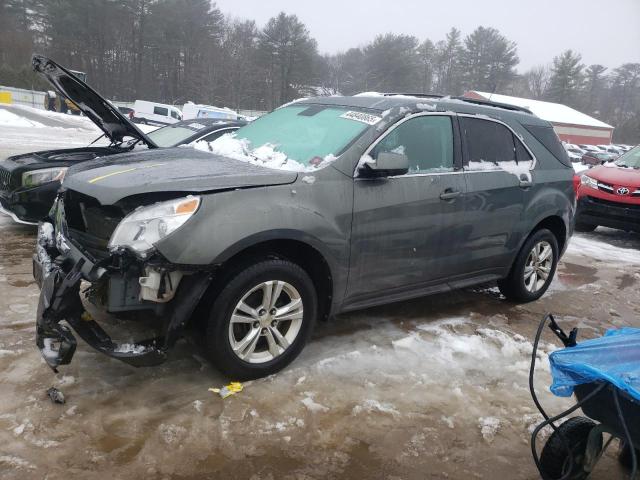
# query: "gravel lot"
433,388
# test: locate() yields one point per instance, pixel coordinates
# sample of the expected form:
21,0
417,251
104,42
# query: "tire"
584,227
275,346
515,287
554,458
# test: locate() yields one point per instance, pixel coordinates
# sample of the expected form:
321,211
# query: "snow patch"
370,406
15,462
9,119
310,179
266,155
605,252
489,426
130,348
313,406
520,170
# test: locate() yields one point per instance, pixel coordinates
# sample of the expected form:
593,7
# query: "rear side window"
522,154
427,141
487,141
547,137
161,111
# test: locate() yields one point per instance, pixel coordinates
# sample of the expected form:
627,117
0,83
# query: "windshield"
170,136
298,137
631,159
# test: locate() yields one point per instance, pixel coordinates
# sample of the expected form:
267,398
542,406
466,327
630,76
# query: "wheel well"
300,253
556,225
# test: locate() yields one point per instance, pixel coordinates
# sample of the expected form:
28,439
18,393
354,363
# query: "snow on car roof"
552,112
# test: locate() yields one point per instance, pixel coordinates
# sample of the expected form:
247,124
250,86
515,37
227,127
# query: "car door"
497,172
405,227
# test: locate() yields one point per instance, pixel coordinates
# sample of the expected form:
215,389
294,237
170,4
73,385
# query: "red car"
609,195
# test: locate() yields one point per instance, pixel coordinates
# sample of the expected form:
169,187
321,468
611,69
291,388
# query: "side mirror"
385,165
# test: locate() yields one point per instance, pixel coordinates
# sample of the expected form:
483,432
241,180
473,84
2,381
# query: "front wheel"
533,269
262,319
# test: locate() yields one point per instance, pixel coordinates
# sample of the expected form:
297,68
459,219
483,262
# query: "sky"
603,31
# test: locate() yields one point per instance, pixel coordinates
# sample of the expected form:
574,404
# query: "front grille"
608,203
605,187
5,179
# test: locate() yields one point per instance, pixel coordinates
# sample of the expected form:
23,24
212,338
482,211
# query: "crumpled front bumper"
59,278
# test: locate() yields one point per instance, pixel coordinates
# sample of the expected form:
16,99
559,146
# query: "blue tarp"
614,358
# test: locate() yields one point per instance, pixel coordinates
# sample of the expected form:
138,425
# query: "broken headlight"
44,175
144,227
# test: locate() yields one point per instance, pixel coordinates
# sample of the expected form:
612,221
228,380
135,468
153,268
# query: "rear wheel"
533,269
261,319
555,459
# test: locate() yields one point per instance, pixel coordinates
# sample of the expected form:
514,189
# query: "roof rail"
489,103
475,101
418,95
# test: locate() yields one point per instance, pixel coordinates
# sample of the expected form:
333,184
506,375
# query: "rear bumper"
59,277
595,211
29,205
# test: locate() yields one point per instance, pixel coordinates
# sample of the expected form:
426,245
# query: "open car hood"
107,117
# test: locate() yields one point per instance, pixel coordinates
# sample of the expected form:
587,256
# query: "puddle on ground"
575,275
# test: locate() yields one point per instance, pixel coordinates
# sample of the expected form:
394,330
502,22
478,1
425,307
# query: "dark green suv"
323,206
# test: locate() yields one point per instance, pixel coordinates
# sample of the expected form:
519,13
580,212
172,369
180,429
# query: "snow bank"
595,249
9,119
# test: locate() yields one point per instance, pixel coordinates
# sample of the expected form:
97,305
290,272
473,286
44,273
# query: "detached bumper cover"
59,280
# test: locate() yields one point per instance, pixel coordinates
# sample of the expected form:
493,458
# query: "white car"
155,113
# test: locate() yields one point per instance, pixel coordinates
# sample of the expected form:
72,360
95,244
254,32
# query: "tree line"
186,50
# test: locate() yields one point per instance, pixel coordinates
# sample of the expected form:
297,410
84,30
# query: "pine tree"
566,78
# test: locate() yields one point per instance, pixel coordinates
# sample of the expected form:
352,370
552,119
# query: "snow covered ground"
432,388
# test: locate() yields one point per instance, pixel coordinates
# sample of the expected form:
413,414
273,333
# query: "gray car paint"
377,250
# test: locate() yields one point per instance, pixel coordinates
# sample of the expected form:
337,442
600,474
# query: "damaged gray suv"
323,206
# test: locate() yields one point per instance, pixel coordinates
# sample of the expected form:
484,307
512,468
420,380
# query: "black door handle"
449,194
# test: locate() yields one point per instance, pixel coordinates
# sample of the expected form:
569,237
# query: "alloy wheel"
266,321
538,266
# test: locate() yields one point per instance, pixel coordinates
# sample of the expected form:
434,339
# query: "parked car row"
594,154
323,206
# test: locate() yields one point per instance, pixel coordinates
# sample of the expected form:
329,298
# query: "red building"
571,125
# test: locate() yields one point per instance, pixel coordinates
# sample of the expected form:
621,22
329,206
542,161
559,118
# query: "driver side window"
427,141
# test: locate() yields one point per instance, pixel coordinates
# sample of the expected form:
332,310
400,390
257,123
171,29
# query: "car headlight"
588,181
34,178
144,227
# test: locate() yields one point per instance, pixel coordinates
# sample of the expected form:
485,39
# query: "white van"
193,110
155,113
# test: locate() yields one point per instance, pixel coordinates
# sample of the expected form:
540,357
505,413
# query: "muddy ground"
432,388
